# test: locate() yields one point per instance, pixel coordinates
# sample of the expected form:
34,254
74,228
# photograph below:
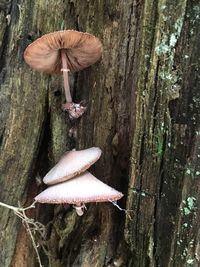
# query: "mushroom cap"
81,189
72,164
82,50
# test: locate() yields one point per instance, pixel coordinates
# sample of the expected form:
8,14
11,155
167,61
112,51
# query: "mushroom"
72,164
61,52
78,191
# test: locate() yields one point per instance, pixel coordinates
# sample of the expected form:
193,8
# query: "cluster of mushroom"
72,184
61,52
56,53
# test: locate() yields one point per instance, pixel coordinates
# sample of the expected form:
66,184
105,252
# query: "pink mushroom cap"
82,50
81,189
71,164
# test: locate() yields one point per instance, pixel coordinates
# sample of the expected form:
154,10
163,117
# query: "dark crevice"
161,170
57,93
128,39
150,48
142,148
43,213
1,137
4,46
75,87
155,226
41,160
139,189
130,73
30,37
157,201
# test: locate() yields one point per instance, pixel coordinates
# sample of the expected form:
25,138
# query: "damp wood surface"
143,112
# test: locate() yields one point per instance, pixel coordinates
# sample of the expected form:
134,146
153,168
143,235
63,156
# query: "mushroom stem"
65,76
80,209
74,110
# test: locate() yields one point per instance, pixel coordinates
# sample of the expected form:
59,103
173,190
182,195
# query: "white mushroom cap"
71,164
81,189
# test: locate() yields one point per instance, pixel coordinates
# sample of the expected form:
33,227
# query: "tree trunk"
143,112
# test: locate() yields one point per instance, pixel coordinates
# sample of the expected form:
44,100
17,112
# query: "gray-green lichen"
188,206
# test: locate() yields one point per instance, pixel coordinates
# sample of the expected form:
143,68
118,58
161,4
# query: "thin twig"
32,238
126,211
35,226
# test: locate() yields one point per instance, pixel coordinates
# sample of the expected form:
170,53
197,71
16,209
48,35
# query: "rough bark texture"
164,179
143,111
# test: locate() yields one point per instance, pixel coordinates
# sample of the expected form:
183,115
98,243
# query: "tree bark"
143,112
164,183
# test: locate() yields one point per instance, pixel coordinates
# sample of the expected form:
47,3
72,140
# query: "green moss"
159,142
70,222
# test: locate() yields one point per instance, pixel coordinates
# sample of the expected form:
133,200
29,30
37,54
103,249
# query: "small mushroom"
61,52
72,164
78,191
